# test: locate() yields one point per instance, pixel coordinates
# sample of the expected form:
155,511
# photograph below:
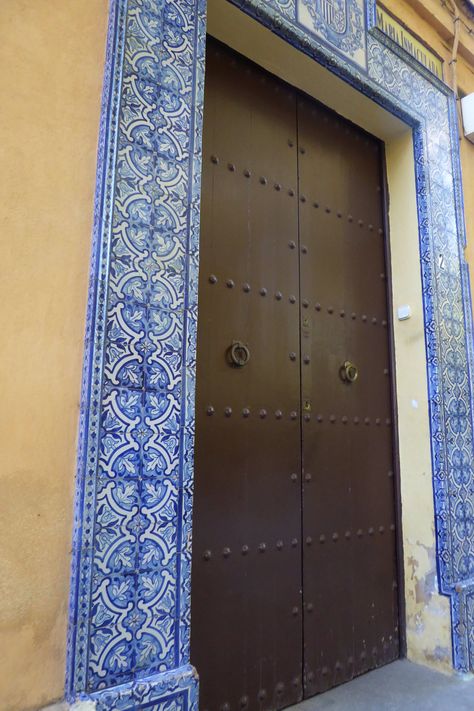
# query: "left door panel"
246,639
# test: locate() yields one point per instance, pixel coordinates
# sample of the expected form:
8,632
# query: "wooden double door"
294,574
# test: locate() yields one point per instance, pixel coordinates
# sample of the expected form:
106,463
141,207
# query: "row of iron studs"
325,670
262,547
230,284
246,412
291,193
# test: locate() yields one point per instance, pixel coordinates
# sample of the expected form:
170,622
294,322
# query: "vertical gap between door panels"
300,399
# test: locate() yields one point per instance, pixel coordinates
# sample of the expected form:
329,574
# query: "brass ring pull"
238,354
349,372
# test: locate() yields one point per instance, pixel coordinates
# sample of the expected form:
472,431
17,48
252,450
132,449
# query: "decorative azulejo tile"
115,533
170,691
340,23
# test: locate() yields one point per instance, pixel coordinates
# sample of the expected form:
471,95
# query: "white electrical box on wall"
404,312
467,104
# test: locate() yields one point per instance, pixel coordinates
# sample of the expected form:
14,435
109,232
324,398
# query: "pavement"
400,686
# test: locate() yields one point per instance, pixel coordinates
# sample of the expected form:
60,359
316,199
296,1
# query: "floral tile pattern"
176,691
129,626
133,505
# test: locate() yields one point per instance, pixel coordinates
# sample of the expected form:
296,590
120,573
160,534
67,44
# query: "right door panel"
349,545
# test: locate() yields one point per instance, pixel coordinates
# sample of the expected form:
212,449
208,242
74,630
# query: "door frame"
145,251
402,608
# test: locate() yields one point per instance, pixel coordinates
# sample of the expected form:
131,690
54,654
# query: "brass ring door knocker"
349,372
238,354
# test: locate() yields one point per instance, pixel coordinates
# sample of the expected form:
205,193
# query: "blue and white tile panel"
130,606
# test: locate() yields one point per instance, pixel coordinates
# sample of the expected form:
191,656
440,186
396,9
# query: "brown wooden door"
246,585
294,558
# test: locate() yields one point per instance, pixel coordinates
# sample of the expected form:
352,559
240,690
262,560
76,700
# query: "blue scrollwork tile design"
129,627
129,615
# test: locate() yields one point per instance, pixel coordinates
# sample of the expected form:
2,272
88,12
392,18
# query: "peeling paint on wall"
428,622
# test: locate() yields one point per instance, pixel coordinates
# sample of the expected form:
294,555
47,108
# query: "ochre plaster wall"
51,61
432,22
